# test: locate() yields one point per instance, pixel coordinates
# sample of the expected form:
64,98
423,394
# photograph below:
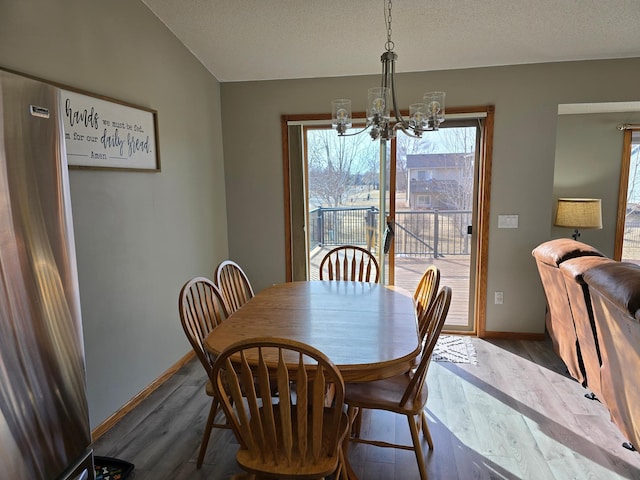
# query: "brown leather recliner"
615,293
559,319
582,312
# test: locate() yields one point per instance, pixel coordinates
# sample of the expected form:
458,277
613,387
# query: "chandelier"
423,116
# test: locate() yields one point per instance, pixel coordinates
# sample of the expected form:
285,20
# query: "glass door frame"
292,146
624,189
474,122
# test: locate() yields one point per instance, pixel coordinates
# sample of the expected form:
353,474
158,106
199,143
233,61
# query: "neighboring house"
436,180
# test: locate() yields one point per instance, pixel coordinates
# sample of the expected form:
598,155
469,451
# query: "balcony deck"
454,272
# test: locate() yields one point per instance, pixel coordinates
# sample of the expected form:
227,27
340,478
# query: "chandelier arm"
391,71
413,133
386,58
356,133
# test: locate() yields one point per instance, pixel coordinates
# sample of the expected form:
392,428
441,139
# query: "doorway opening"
434,192
627,244
433,214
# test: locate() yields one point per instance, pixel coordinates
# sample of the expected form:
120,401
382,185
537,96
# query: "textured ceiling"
238,40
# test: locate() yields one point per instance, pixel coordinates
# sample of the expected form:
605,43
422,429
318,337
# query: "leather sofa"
579,298
615,295
560,317
593,319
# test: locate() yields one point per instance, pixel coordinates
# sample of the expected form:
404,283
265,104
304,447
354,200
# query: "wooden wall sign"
103,133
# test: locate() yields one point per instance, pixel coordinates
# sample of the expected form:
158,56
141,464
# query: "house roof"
435,160
242,40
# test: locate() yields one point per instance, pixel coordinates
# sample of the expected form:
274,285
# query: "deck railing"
417,233
631,241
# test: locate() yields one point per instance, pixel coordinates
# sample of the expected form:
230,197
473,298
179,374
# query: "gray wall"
588,163
139,236
526,100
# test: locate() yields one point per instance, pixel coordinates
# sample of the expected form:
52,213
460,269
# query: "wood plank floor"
515,415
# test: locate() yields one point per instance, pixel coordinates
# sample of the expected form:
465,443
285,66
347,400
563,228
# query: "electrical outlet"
499,298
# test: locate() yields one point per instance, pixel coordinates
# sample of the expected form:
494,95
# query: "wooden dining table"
368,330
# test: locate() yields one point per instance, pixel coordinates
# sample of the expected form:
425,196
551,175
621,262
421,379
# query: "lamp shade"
579,213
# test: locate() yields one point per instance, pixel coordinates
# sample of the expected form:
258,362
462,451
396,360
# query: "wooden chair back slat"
351,263
270,446
234,285
284,386
235,389
319,391
302,393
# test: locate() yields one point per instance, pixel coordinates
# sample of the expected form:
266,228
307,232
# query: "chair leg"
213,410
417,448
345,470
357,424
425,430
338,474
342,473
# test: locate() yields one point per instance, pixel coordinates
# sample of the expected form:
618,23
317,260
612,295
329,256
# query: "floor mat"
456,349
107,468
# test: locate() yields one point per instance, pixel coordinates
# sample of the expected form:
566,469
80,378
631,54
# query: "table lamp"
578,213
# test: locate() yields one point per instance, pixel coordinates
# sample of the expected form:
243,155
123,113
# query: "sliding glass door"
342,194
431,194
628,225
435,206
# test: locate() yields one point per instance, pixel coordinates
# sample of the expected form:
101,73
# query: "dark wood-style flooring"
515,415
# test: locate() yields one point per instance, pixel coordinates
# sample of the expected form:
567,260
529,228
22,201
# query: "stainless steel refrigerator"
44,421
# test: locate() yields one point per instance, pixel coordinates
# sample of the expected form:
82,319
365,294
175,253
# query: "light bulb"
435,106
417,115
378,105
342,115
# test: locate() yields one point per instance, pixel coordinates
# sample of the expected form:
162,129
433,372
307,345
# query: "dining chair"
349,262
202,309
404,394
234,285
289,433
425,292
423,297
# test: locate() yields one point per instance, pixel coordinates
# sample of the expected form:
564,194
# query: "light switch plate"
507,221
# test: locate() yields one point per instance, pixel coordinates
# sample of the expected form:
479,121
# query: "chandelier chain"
389,45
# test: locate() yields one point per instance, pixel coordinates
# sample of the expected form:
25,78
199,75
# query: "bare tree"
336,164
634,181
371,176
